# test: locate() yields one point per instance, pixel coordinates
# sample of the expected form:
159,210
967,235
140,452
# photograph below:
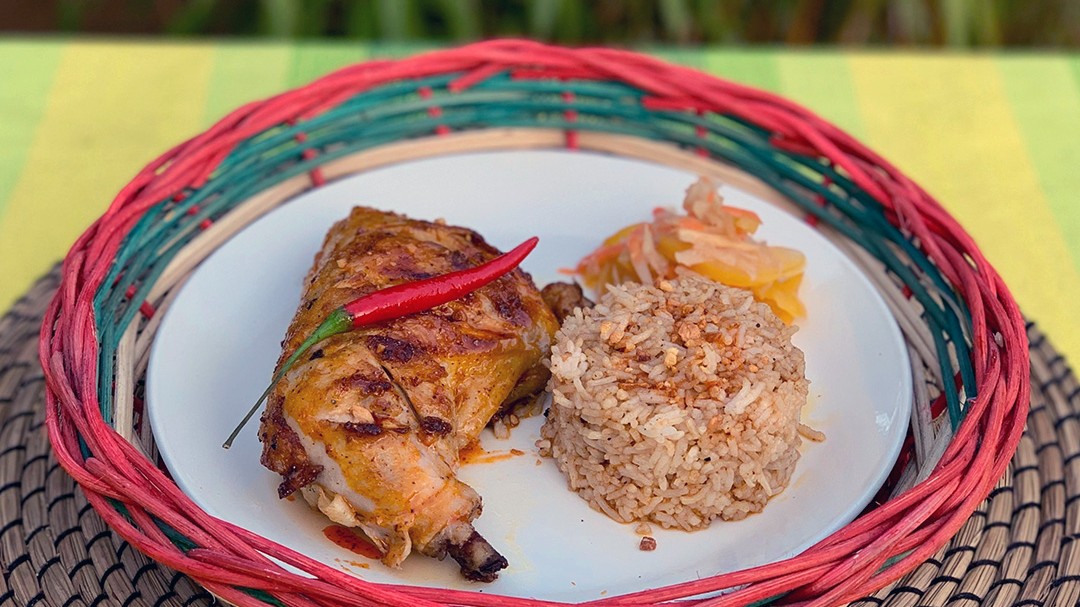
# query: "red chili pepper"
395,302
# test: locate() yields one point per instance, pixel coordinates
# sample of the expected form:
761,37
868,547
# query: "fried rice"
675,404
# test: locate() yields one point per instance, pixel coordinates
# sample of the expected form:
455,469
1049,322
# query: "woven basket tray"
966,337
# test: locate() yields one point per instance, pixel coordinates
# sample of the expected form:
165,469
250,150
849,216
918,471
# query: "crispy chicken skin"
369,426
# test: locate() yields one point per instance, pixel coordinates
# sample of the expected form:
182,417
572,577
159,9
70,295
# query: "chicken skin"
368,426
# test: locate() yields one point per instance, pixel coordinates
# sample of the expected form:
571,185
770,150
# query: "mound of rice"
675,404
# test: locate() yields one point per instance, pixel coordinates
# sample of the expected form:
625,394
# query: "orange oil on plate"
473,453
351,541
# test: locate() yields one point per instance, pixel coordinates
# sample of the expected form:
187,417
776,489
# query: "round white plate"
218,344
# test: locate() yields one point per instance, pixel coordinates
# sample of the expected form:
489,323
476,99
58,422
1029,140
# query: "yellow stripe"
946,121
112,109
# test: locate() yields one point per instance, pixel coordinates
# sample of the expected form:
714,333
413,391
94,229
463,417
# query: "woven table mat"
54,548
1018,548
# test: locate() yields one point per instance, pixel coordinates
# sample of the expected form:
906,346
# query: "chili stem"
336,322
395,302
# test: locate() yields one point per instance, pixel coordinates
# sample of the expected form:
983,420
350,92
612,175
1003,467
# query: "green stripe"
1045,101
822,82
756,68
29,67
311,60
243,73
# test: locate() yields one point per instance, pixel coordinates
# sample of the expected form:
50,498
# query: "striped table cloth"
995,137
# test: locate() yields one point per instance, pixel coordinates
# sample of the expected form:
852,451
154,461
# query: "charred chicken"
368,426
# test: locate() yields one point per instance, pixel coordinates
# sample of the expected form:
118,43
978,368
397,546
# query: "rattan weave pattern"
54,548
1018,548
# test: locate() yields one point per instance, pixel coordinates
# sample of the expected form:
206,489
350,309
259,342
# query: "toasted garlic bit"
690,333
606,327
671,357
643,528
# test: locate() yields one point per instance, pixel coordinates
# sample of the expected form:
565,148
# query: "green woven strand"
263,596
178,539
768,601
938,316
956,309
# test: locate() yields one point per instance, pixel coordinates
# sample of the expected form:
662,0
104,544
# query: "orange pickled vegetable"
711,239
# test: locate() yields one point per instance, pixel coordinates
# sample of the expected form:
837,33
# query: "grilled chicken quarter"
368,427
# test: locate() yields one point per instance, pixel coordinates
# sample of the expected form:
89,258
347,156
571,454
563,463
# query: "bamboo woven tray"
965,335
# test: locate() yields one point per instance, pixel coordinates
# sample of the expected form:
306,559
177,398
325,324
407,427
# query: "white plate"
218,344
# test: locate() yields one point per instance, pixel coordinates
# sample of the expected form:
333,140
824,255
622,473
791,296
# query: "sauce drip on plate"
473,453
351,541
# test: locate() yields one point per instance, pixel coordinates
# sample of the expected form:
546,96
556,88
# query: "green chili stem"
336,322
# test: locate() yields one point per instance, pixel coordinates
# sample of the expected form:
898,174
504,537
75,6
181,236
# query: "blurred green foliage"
954,23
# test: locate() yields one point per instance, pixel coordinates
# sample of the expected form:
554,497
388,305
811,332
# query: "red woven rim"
843,567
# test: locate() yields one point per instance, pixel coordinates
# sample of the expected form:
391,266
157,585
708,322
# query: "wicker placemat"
1017,549
54,548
